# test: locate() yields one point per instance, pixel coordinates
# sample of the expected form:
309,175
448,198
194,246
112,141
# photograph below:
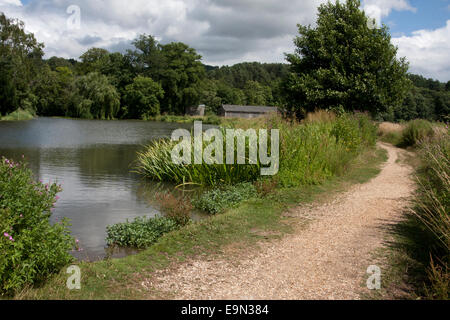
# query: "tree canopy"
344,63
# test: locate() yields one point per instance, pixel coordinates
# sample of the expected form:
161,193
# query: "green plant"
217,200
415,132
432,210
140,233
31,247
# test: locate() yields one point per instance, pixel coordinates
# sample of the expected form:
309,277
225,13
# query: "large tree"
142,98
20,55
344,62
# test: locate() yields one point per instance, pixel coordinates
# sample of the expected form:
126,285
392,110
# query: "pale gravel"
327,259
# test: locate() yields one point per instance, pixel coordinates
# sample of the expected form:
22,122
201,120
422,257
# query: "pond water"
93,160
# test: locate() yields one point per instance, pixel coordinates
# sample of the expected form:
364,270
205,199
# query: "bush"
176,208
141,233
415,132
217,200
31,248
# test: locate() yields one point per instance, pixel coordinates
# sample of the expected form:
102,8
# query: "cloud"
379,9
427,51
222,31
10,2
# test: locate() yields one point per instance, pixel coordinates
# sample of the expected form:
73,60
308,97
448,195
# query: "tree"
20,54
142,98
94,60
181,78
257,94
95,98
54,91
344,63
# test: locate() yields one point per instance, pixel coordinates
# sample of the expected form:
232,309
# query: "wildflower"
6,235
11,239
21,215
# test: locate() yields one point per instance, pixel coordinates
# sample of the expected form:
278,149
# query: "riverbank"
256,220
18,115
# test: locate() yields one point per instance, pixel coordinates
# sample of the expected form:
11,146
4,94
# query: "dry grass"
322,116
386,128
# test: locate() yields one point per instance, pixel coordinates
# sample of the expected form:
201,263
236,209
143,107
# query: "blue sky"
430,14
229,31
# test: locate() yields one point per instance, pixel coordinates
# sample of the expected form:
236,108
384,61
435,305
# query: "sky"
226,32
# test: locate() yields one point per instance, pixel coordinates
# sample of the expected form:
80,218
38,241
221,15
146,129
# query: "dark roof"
248,109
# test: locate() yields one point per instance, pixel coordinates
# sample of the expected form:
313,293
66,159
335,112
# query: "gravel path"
326,260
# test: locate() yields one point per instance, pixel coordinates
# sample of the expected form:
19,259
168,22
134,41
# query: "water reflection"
93,161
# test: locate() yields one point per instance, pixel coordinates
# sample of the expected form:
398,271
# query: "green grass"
18,115
121,278
310,153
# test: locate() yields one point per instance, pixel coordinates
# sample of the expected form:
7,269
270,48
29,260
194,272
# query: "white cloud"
379,9
223,31
427,51
10,2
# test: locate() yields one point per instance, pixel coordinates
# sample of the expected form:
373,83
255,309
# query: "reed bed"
310,152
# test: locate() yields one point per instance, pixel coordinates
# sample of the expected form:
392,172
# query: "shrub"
416,131
141,233
265,187
217,200
31,248
177,208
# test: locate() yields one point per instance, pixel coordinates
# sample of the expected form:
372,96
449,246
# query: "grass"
121,278
417,257
18,115
309,153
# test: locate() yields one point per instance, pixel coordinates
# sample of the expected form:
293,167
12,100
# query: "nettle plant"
31,248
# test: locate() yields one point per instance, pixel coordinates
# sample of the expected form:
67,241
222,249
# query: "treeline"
428,99
152,79
329,70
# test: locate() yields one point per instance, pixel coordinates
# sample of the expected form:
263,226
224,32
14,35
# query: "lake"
93,160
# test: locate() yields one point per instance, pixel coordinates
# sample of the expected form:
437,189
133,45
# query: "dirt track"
327,260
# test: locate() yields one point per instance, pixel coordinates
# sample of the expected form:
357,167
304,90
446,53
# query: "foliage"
96,98
415,132
31,247
219,199
343,63
18,115
156,163
176,208
432,210
140,233
143,97
19,55
309,153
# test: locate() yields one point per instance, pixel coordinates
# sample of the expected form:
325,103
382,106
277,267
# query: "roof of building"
248,109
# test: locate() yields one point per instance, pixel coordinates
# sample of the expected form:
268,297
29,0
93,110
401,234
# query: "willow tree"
345,62
95,98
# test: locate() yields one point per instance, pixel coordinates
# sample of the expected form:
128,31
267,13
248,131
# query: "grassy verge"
121,278
417,257
18,115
